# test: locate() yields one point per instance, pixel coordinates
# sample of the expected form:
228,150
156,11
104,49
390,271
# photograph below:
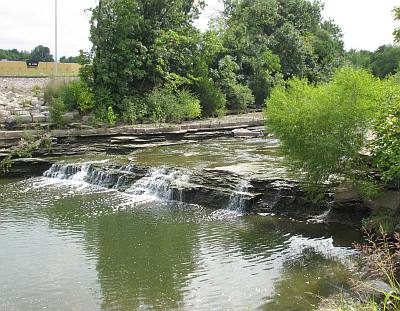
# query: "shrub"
386,146
57,110
240,97
166,105
189,105
111,116
77,96
36,90
322,128
212,100
135,109
53,89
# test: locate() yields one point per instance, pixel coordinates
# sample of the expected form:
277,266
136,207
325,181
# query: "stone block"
388,200
38,118
37,103
21,112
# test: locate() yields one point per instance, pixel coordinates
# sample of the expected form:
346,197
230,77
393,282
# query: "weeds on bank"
380,259
25,148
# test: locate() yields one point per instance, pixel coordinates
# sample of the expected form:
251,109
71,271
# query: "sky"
24,24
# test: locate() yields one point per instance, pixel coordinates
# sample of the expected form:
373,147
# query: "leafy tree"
386,146
322,128
41,54
70,59
128,38
14,55
238,95
359,59
382,62
290,32
396,32
385,60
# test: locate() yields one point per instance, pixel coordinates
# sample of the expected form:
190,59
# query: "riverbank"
84,139
216,171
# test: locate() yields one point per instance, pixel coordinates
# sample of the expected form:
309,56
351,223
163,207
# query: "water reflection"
93,248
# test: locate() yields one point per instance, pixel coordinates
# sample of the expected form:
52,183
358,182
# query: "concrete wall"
18,69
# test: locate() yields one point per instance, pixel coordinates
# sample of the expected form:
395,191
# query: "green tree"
14,55
292,33
70,59
360,59
239,96
385,60
41,54
322,128
386,145
128,37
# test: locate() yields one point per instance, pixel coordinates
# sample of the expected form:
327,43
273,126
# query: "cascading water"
238,198
161,183
68,171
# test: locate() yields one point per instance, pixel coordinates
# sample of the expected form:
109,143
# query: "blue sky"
366,24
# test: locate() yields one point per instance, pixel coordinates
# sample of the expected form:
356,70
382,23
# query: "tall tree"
291,31
42,54
128,37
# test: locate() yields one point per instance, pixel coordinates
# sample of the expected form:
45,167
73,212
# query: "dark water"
66,245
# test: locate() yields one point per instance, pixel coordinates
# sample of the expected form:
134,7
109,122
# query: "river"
66,244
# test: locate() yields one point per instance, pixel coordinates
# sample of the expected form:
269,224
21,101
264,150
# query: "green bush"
57,110
134,110
386,146
240,97
212,100
77,96
111,116
167,106
323,128
189,105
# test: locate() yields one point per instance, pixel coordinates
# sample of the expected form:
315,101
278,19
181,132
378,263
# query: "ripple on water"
98,248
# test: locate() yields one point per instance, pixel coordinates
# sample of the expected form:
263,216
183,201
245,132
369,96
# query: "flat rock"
388,200
38,118
245,133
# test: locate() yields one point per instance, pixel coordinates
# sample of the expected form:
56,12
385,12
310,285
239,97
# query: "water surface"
67,245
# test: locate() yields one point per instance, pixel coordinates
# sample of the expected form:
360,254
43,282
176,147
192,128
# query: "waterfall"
238,198
161,183
67,171
85,172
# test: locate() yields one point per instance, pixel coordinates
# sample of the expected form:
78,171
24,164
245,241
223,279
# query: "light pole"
56,40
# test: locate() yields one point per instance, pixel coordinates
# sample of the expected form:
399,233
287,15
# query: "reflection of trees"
143,258
146,257
305,279
142,262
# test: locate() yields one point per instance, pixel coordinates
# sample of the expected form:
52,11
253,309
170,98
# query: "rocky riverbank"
82,140
21,101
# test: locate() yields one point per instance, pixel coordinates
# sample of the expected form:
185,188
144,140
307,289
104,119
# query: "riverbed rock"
26,167
246,133
38,118
374,289
387,200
